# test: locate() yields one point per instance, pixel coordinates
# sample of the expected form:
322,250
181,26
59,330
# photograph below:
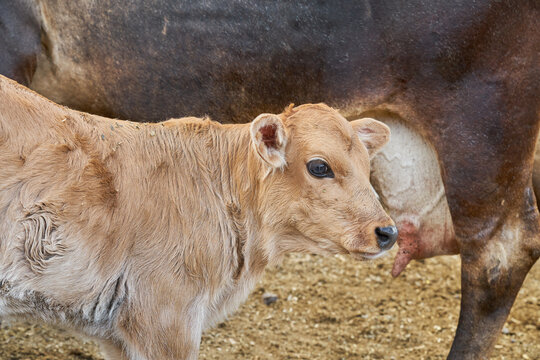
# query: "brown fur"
142,235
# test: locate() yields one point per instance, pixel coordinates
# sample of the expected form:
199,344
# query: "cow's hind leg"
486,144
492,274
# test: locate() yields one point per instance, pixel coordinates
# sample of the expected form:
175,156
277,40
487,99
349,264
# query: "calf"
143,235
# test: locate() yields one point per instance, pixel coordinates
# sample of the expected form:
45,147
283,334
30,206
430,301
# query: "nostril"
386,236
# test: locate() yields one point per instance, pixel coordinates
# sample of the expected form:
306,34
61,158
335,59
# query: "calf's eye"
319,168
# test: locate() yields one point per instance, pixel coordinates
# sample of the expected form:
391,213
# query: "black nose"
386,236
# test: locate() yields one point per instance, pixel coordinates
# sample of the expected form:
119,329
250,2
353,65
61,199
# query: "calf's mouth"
363,255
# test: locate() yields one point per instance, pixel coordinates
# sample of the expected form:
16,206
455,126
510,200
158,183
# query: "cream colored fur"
143,235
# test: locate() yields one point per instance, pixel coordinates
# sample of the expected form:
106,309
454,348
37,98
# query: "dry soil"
329,308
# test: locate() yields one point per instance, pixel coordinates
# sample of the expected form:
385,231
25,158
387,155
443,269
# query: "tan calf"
143,235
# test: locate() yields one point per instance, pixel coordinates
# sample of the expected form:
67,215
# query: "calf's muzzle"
386,236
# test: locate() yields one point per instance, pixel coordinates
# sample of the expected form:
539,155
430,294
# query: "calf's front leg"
112,350
165,329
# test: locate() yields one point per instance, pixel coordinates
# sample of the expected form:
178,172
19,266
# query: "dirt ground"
329,308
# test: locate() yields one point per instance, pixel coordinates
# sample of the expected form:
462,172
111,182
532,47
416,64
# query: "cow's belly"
407,176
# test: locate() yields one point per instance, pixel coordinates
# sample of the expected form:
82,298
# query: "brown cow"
142,236
463,75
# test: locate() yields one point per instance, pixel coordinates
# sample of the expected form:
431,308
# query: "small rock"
269,298
505,331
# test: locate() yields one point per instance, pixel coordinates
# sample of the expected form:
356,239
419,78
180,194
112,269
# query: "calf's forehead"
326,132
315,125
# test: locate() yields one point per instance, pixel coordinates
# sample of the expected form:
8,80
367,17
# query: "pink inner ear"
366,131
268,133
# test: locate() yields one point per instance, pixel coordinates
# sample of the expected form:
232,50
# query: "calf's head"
315,193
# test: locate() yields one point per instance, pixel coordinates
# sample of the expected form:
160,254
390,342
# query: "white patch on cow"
501,247
165,24
501,254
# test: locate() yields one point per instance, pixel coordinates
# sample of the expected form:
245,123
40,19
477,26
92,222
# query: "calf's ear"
373,134
269,139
